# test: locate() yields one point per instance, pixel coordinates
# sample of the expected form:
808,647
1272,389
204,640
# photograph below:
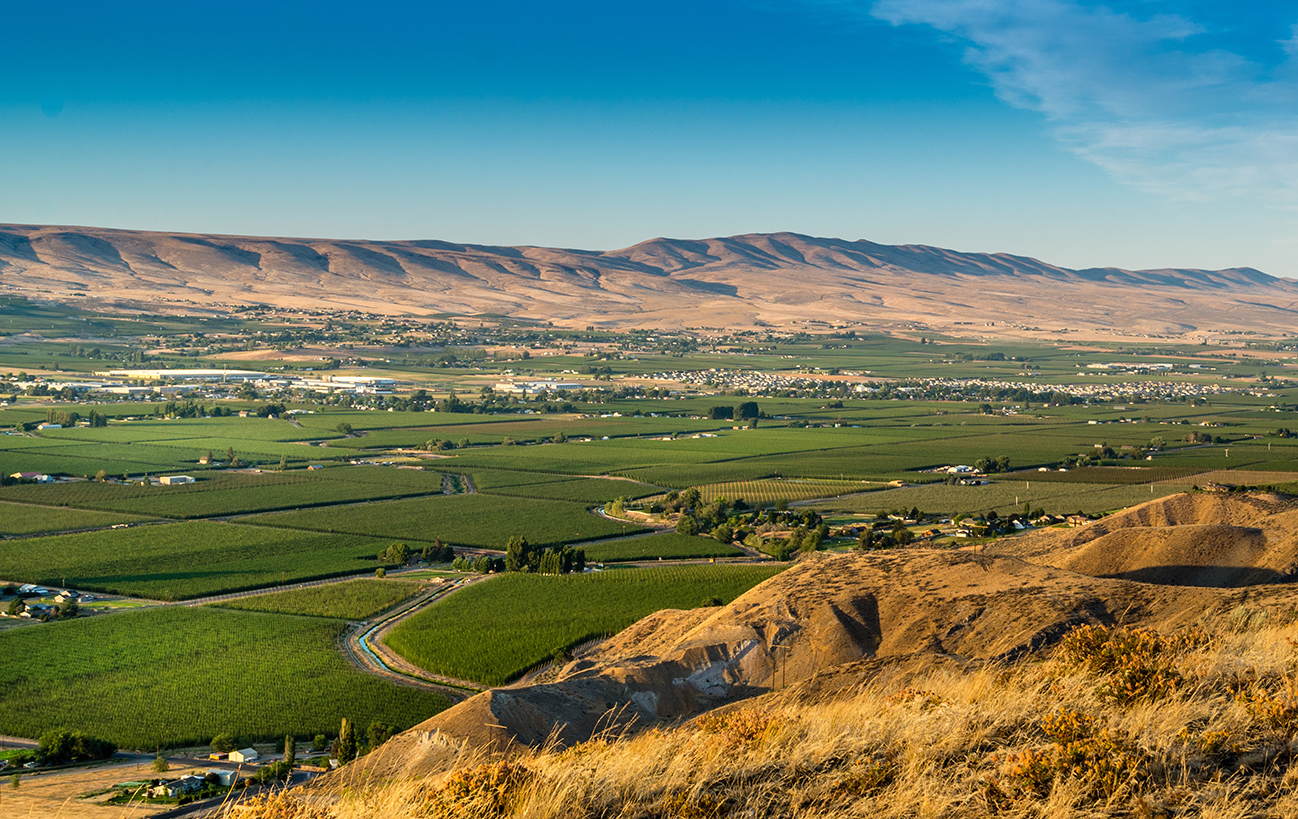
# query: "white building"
175,480
244,755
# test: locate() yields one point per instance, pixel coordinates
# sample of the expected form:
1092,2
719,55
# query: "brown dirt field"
56,794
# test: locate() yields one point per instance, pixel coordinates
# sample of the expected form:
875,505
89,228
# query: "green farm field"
494,631
581,490
229,429
18,519
756,493
481,521
487,480
179,676
179,561
234,493
668,545
349,600
1004,497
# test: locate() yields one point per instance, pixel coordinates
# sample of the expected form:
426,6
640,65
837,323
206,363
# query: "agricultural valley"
475,562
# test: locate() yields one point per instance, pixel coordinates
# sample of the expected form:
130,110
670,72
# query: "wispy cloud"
1149,98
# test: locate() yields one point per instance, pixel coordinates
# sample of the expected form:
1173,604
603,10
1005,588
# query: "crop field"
1239,477
579,458
327,422
179,561
1005,497
581,490
756,493
350,600
179,676
234,493
17,519
494,631
249,452
522,429
1272,466
481,521
13,443
1110,474
668,545
232,429
488,480
525,430
77,461
682,476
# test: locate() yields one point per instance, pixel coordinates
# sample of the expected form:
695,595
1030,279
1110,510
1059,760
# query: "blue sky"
1141,134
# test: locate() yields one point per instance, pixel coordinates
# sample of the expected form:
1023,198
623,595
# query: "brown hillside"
915,607
734,281
1192,539
890,685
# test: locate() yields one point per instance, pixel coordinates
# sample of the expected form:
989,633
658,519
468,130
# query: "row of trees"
521,556
61,746
484,564
747,411
400,553
70,418
993,465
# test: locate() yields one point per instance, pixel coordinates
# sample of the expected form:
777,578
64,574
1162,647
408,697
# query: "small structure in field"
244,755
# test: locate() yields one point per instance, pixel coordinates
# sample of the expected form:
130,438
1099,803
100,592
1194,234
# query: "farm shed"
244,755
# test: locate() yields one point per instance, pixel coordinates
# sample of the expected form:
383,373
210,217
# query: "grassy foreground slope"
1115,723
179,676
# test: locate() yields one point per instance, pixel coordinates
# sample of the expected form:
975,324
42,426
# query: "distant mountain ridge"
753,279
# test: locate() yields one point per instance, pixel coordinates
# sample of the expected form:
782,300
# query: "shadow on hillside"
1218,577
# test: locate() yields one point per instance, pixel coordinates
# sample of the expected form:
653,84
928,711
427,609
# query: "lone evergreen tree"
290,751
346,749
521,556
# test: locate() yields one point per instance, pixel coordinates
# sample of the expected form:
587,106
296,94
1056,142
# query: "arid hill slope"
1209,539
890,685
736,281
868,612
840,619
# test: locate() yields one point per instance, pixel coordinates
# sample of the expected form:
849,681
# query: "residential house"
179,787
35,611
39,477
224,777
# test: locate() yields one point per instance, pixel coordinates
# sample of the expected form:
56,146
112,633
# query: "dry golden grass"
1126,722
